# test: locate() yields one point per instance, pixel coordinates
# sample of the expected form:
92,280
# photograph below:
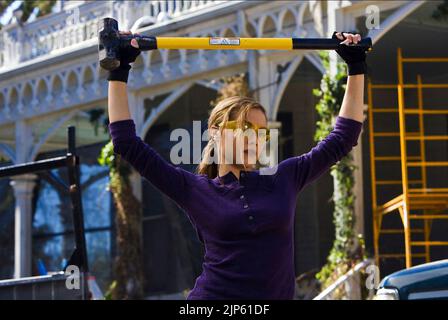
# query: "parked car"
422,282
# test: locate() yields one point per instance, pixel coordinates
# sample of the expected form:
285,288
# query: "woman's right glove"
127,55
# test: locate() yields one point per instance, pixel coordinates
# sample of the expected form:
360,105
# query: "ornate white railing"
30,88
73,27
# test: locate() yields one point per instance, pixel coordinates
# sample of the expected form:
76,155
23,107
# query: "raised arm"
352,105
168,178
308,167
117,104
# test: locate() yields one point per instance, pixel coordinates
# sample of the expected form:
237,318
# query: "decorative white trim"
50,132
280,89
8,152
315,61
162,107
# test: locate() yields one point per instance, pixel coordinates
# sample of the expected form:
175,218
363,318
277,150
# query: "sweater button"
251,217
242,174
242,196
246,206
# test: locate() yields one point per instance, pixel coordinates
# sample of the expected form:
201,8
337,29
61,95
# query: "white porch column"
23,192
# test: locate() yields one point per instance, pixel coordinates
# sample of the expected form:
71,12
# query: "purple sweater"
246,225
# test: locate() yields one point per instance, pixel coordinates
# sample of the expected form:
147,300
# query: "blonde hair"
231,108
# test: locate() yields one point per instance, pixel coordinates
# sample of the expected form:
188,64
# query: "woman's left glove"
354,57
127,55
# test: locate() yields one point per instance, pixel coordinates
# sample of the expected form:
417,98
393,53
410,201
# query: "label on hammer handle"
224,41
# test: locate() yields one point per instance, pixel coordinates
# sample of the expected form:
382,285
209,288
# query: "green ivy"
348,248
107,155
108,158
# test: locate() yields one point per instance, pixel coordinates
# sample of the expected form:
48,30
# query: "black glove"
127,55
354,57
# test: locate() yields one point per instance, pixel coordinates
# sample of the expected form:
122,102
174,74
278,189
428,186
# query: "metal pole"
75,196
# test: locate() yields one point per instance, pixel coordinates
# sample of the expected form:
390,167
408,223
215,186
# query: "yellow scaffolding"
417,201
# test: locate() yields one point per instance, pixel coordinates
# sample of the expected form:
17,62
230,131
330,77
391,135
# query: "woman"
244,218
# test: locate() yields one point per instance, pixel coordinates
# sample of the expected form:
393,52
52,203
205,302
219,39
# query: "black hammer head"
108,44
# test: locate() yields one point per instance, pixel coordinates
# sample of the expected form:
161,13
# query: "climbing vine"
128,262
348,248
128,266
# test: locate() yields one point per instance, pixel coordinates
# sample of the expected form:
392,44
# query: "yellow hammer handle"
224,43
